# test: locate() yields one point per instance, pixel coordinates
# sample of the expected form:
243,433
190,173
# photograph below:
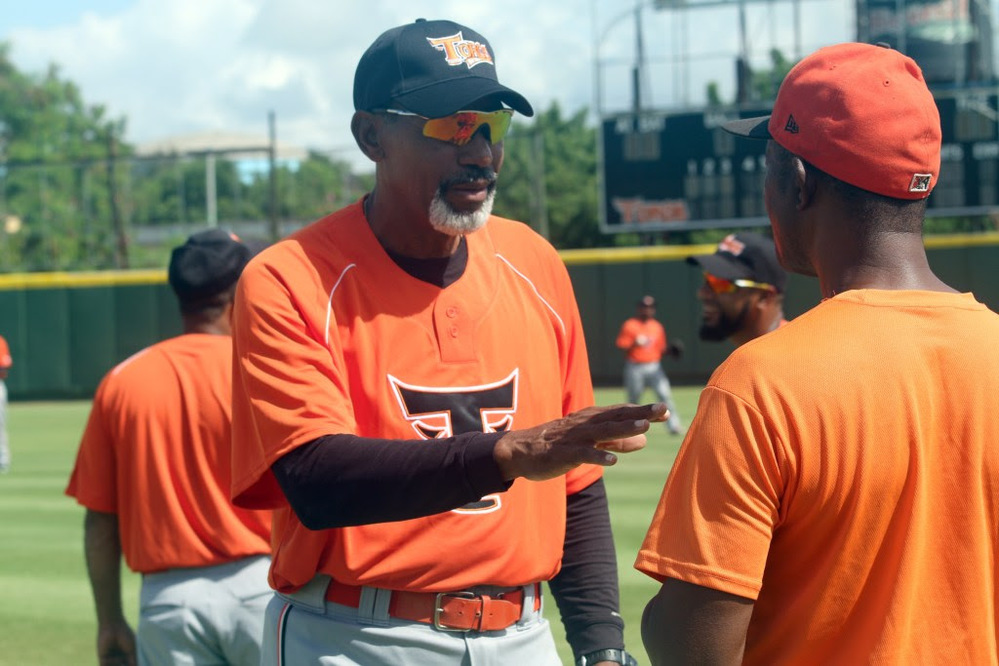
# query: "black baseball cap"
206,265
745,255
433,68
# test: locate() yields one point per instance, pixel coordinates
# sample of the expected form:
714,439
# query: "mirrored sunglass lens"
460,127
718,285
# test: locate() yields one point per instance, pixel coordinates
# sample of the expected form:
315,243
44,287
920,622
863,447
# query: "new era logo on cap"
458,50
791,125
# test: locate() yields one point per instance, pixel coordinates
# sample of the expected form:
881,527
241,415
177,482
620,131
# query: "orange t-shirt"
154,452
332,337
843,471
634,330
5,360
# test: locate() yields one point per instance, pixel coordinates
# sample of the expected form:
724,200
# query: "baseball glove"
675,349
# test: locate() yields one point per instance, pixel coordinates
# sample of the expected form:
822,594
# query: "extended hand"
587,436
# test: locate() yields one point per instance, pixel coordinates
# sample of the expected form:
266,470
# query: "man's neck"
407,234
889,260
217,327
762,326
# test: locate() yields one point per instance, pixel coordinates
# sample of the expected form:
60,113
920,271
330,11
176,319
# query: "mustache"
470,174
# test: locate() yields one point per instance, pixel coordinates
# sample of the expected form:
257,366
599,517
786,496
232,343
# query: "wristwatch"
610,654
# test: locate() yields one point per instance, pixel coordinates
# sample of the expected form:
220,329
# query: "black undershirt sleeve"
586,589
342,480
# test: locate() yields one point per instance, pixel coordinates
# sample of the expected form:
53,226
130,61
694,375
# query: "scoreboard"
671,171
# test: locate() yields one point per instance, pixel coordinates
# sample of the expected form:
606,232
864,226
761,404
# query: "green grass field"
46,611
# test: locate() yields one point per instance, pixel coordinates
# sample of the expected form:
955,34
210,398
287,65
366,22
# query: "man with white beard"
412,397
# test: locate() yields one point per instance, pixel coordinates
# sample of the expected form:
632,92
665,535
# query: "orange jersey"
843,472
153,453
634,332
5,359
332,337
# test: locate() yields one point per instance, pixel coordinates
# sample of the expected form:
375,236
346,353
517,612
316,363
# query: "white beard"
448,221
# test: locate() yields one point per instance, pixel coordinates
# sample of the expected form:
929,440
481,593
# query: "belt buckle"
439,608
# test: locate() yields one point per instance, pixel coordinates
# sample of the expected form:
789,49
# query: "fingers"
622,412
592,435
624,445
659,412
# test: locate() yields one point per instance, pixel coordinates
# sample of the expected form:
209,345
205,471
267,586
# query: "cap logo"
791,125
731,245
920,182
457,50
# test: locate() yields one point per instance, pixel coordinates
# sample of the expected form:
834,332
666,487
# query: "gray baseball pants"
204,616
304,628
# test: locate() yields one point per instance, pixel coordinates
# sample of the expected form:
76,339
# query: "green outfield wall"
609,282
66,330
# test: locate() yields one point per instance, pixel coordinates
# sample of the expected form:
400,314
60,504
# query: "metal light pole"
598,37
272,207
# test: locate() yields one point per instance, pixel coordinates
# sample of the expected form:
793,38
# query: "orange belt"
447,611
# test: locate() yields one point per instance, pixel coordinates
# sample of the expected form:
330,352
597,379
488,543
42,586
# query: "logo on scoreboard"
636,210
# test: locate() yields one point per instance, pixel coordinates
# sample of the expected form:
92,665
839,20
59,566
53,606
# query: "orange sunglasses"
460,127
723,286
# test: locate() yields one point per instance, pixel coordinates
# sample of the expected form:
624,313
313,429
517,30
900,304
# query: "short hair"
875,212
208,309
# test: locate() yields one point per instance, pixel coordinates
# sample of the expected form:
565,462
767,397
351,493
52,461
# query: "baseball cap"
206,265
745,255
647,301
433,68
861,113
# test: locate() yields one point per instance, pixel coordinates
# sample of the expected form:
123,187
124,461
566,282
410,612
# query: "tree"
761,84
766,82
312,188
51,144
550,173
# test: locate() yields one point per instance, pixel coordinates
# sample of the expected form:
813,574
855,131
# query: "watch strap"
609,654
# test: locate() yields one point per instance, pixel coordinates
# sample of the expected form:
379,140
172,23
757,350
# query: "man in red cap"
835,498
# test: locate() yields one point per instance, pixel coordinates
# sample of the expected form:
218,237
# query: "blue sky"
51,13
174,67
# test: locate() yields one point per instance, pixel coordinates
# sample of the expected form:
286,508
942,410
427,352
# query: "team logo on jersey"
458,50
436,412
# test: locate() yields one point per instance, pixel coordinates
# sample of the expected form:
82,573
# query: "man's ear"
367,130
805,182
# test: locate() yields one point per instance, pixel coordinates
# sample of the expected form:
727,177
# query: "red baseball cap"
861,113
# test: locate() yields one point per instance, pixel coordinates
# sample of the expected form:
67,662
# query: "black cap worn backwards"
206,265
747,256
433,68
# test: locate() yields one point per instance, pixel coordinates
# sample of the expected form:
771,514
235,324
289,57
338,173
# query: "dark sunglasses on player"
460,127
723,286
